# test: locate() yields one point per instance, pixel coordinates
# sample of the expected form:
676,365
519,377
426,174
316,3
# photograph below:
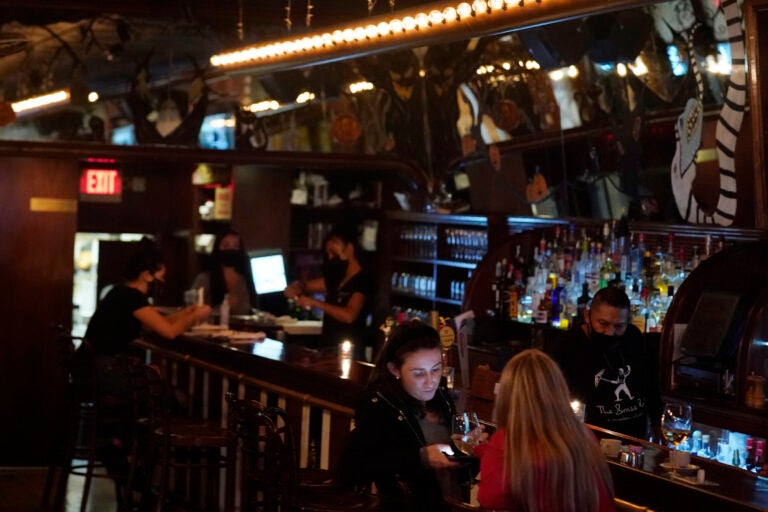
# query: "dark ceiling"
45,45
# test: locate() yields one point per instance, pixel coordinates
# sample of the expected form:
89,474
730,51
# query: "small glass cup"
190,297
466,431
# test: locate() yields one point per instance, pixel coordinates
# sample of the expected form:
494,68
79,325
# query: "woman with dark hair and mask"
121,317
403,426
125,311
609,366
229,275
348,291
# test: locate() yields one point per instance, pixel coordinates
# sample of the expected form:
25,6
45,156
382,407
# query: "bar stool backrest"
269,469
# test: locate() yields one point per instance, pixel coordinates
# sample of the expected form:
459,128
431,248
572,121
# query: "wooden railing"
320,424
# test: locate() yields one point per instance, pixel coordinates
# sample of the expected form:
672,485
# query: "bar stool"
270,467
188,446
93,424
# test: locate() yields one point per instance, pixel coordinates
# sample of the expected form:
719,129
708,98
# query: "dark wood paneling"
756,19
260,206
36,255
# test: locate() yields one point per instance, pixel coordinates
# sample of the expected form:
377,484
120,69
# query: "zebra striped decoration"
688,132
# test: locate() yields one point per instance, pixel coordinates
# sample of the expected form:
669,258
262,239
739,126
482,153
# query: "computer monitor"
268,270
710,324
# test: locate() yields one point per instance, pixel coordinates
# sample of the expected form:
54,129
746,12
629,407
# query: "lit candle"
578,409
346,365
345,348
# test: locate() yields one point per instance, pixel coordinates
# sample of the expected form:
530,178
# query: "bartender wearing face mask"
609,367
229,275
348,292
126,312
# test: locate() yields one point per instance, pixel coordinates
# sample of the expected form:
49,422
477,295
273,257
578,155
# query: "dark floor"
21,490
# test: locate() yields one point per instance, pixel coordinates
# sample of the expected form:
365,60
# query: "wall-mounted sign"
222,204
101,185
52,205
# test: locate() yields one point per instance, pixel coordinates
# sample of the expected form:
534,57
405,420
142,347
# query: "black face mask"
229,258
334,270
604,341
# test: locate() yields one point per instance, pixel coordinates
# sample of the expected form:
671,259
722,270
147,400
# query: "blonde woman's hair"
552,462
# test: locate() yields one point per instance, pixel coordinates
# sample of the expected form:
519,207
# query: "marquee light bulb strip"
38,103
382,31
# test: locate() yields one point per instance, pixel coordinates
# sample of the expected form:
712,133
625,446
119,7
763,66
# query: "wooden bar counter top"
321,387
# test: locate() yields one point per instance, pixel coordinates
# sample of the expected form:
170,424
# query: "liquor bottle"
542,314
607,272
757,466
581,302
496,288
736,460
707,247
749,453
514,294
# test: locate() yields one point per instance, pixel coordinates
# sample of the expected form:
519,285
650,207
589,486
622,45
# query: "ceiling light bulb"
409,23
480,6
464,10
317,41
450,14
422,20
40,101
573,71
396,26
337,36
93,96
357,87
305,97
371,31
348,34
556,75
639,68
621,69
506,65
436,17
496,5
359,33
383,28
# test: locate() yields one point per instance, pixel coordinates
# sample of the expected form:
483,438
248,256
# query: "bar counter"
319,390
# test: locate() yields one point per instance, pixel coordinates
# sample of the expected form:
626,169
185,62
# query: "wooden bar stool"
99,429
270,473
190,447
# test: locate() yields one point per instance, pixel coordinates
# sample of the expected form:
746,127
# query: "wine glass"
676,424
466,431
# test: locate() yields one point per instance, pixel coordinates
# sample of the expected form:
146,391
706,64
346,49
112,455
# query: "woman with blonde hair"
541,458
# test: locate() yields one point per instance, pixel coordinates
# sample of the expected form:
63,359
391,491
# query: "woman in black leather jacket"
403,425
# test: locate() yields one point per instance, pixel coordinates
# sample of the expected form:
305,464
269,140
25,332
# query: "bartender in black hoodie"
609,367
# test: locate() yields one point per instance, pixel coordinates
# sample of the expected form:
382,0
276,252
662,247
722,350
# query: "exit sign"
103,185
